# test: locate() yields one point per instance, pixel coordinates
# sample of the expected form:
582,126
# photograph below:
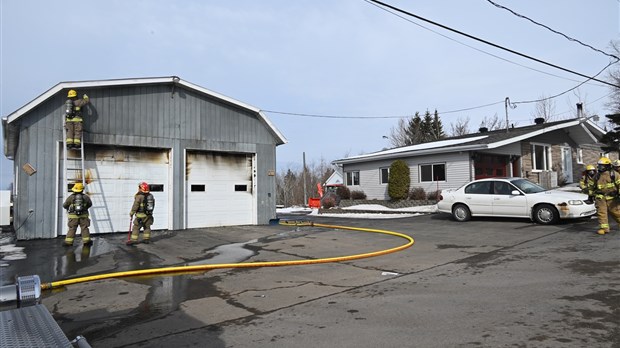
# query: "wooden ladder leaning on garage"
73,166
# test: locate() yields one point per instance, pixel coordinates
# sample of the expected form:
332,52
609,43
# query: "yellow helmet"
72,93
616,163
604,161
77,187
590,167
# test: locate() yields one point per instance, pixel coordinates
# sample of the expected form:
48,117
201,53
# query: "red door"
490,166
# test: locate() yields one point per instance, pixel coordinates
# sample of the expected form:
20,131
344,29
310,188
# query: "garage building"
210,159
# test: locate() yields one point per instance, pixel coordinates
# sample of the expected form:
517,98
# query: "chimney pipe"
579,110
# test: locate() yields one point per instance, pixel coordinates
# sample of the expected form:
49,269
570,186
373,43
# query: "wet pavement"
484,283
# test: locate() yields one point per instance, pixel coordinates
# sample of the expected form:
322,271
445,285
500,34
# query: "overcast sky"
345,58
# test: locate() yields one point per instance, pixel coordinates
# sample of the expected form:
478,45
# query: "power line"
552,30
557,95
492,44
469,46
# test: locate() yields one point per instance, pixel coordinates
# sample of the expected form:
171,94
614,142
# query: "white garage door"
112,178
219,190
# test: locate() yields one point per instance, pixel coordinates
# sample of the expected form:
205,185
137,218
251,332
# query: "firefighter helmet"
616,163
77,187
604,161
590,167
72,93
144,187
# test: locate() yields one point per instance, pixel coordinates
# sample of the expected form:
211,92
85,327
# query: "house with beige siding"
549,153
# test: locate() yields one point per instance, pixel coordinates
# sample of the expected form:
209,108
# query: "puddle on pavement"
53,262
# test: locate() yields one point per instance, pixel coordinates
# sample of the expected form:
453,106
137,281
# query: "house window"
541,157
385,174
432,172
353,178
579,156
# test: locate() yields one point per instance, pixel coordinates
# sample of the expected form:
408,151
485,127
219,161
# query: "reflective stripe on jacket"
606,187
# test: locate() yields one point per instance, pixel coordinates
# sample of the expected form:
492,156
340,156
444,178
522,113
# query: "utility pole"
512,106
304,178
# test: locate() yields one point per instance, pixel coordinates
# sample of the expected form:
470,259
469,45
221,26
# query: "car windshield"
527,186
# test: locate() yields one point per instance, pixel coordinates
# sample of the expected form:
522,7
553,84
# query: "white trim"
548,157
533,134
433,164
590,133
432,148
579,154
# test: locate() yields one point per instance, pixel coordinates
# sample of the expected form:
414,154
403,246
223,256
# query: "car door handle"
496,198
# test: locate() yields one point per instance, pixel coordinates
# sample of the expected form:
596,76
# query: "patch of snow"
375,208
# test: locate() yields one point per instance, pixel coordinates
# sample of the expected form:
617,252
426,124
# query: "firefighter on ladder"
73,118
605,190
143,206
77,205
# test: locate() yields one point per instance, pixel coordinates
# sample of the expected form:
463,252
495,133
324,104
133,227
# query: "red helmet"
144,187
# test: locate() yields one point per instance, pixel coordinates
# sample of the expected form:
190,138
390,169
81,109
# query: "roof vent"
539,120
483,130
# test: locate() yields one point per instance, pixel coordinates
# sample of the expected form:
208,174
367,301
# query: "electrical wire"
557,95
552,30
492,44
469,46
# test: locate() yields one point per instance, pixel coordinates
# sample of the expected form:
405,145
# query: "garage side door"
112,177
219,190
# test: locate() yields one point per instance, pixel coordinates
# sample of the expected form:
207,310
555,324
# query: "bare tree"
614,77
493,123
545,108
399,134
290,182
461,127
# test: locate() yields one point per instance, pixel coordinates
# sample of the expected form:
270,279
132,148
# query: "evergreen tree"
426,129
399,180
438,127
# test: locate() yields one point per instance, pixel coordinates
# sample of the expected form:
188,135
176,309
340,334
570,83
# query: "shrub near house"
398,180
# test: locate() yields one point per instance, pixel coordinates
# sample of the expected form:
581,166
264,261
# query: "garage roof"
10,136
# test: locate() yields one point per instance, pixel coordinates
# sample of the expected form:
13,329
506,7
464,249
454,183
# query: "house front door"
567,164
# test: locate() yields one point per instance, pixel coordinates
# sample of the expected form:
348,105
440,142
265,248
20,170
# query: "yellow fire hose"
177,269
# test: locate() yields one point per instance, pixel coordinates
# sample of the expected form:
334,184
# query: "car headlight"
575,202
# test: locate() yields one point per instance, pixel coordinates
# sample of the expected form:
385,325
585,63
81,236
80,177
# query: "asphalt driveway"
483,283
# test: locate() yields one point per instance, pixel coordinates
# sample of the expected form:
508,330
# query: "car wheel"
546,214
461,213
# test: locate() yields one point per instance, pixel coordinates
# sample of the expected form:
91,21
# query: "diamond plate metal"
29,327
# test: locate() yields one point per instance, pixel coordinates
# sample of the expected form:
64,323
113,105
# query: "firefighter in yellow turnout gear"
77,205
588,181
73,118
143,207
606,194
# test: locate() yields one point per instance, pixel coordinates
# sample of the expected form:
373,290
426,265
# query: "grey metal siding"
266,185
136,116
458,172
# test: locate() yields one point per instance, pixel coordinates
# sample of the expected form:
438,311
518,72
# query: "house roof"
334,179
581,130
9,139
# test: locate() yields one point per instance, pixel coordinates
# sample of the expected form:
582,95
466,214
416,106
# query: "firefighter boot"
601,231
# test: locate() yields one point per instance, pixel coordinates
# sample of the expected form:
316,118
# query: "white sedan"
513,197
